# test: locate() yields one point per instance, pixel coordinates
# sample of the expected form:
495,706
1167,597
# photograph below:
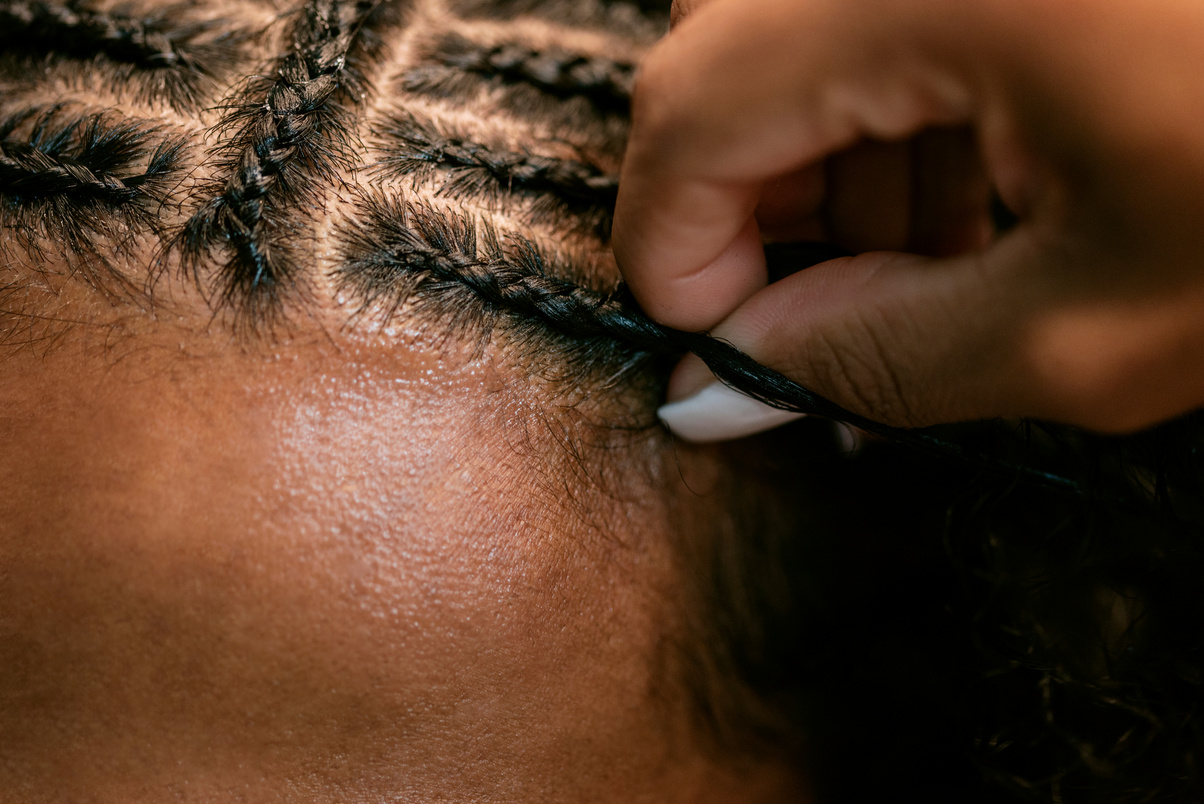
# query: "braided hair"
282,141
1013,615
176,58
605,83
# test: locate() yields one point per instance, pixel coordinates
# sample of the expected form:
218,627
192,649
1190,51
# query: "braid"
82,160
160,46
446,250
73,28
285,138
441,251
604,82
417,147
635,17
77,179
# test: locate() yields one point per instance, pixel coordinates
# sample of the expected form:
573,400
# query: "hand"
882,125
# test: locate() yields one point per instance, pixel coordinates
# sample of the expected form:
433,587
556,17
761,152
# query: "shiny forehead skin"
273,531
314,574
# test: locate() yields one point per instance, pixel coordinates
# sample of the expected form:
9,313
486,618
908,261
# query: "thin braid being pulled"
396,250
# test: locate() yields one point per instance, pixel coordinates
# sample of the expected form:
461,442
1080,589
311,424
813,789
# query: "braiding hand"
881,126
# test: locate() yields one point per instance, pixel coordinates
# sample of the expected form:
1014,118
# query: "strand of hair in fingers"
428,247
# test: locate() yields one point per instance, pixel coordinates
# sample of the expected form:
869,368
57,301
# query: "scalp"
256,133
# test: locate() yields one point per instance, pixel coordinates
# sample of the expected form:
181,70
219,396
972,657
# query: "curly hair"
998,611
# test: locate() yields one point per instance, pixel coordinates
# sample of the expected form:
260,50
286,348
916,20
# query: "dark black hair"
999,611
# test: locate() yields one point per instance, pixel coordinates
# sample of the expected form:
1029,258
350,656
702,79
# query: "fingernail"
850,438
717,413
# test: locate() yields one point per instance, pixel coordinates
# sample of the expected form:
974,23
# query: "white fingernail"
850,438
717,413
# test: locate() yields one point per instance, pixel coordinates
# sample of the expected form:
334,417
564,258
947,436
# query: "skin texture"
349,567
880,126
361,529
341,551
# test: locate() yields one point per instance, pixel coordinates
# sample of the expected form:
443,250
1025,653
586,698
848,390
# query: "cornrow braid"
161,43
404,248
417,146
288,136
632,16
1026,567
651,8
605,83
71,176
82,159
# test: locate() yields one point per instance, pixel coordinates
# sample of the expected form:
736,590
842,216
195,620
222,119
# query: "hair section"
454,61
70,182
174,54
1027,610
289,135
411,146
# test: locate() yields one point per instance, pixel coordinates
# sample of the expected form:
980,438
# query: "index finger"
740,92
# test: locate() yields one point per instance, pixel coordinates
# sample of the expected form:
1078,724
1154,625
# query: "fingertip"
698,300
708,296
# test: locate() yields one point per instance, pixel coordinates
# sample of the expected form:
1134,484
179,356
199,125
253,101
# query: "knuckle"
855,371
1097,394
665,91
1083,375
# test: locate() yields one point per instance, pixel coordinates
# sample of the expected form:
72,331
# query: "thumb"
900,339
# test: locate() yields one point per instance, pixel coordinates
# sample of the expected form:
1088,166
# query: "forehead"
248,490
288,561
321,182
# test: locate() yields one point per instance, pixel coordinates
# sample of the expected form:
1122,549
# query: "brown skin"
334,568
